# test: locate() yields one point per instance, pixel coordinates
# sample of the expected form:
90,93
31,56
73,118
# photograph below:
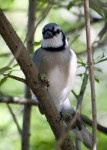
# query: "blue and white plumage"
55,59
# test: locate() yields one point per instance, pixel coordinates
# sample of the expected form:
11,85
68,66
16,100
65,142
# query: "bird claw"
61,117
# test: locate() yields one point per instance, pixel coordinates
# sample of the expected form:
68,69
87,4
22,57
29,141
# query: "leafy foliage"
100,11
70,16
72,3
4,4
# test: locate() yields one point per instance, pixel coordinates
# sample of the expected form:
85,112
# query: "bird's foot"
61,116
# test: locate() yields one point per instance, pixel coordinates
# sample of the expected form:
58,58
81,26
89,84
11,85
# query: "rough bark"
31,74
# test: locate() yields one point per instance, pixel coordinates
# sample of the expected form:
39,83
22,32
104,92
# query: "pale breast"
60,67
62,78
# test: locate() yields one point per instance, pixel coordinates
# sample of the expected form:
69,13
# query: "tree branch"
27,101
14,119
67,129
30,48
79,101
43,15
97,42
81,27
16,100
99,37
89,122
15,78
82,90
90,62
5,54
31,73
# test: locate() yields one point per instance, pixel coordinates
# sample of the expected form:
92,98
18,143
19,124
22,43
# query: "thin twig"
80,27
27,101
17,100
14,119
99,37
82,90
79,102
89,122
90,61
25,141
6,68
67,129
44,14
29,35
74,94
16,55
5,54
97,42
15,78
31,73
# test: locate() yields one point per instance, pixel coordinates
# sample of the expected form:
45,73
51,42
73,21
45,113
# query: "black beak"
47,35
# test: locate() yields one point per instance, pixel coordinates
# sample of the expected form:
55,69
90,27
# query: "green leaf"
4,69
80,75
96,79
96,8
97,69
31,55
100,56
75,38
102,60
79,59
3,80
5,4
72,3
37,43
15,65
84,83
74,93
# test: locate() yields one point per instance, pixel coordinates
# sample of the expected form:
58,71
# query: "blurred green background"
70,16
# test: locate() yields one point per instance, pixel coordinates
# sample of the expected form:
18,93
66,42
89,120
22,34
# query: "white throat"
54,42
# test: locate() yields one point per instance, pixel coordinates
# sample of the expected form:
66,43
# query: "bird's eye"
58,31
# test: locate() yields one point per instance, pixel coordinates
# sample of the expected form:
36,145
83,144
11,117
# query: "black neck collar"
52,49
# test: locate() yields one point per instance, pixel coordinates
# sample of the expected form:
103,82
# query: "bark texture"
31,74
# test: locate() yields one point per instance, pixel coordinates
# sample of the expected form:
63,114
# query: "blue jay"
58,62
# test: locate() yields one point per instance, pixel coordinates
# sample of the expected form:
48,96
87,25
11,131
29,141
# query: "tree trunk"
30,48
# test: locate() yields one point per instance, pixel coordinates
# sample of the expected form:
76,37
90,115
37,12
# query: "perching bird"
58,62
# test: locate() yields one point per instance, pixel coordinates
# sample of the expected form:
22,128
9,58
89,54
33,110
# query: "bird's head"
53,37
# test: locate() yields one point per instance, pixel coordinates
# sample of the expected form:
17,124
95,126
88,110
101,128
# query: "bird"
58,62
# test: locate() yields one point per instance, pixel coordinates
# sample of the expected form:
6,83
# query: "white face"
56,41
